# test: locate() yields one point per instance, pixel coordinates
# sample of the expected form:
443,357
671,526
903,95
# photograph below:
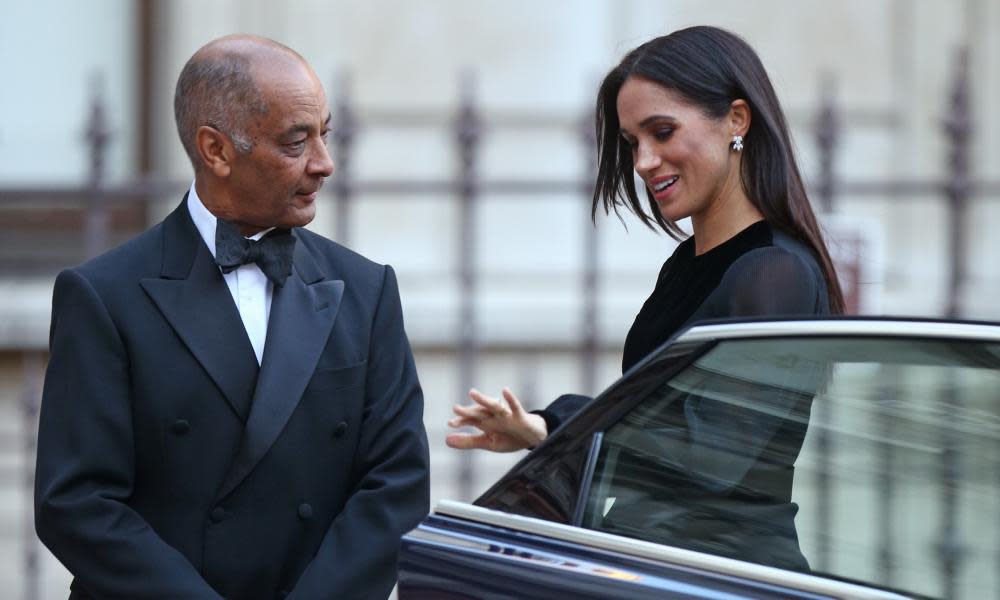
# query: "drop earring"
738,143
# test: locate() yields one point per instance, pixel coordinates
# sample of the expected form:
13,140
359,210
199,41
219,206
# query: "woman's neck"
722,221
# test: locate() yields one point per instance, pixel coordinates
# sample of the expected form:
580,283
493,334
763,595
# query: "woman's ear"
215,149
739,117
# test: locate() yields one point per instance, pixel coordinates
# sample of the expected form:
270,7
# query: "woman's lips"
663,187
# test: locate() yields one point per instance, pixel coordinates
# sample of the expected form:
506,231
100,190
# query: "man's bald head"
218,87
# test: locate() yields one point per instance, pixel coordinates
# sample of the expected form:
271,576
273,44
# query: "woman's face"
683,156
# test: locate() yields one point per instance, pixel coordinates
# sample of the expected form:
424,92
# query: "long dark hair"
710,68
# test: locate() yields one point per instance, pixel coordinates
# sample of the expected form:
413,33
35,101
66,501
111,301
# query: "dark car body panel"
523,537
451,558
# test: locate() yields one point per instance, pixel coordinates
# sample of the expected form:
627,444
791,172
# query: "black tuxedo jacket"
171,466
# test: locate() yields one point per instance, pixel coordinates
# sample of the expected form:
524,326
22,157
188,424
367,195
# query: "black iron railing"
84,220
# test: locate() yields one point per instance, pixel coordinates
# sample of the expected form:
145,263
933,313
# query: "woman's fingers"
512,401
463,422
484,441
493,406
502,423
463,411
471,412
467,441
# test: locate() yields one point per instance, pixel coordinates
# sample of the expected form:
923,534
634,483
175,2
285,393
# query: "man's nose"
321,163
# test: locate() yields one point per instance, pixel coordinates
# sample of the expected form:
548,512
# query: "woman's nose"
645,160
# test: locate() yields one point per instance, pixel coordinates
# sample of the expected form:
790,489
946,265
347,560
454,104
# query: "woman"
694,115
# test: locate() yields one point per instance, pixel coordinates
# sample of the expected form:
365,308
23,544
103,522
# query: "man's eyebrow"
298,128
305,127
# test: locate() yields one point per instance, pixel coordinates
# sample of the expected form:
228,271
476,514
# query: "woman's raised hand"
504,425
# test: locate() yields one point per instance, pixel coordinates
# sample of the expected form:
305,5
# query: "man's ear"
216,150
739,117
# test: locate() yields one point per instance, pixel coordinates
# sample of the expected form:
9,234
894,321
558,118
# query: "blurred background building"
463,142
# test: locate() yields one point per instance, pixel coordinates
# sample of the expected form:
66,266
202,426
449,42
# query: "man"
211,428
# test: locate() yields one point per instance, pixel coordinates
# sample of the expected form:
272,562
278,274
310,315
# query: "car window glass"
547,483
868,459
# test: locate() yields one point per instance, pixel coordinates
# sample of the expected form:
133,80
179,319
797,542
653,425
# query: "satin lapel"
301,319
194,299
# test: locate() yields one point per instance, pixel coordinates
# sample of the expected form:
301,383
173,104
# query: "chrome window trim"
587,480
845,327
649,550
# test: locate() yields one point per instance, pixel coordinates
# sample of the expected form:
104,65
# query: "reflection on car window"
869,459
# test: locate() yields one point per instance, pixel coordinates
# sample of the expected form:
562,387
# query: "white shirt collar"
205,221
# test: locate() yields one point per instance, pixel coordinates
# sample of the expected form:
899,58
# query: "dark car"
838,458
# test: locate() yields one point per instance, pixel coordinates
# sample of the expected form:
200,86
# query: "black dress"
757,272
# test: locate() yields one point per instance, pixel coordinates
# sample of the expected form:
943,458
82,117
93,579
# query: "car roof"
841,326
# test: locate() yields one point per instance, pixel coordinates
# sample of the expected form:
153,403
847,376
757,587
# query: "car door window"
871,459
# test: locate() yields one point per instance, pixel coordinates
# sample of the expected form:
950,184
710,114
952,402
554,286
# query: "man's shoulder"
140,256
338,256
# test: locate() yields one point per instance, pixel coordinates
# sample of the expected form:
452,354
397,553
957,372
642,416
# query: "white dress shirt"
251,289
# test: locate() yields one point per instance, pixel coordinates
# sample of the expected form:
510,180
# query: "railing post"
950,549
96,234
957,126
345,126
823,416
589,303
468,133
827,130
887,405
31,396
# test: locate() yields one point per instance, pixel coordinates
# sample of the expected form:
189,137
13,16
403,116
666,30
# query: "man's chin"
299,217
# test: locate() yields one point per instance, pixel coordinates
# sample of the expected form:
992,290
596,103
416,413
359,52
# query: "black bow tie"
272,253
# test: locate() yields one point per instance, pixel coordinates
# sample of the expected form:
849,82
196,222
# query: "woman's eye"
663,134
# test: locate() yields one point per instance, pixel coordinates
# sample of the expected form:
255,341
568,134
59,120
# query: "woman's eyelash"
660,135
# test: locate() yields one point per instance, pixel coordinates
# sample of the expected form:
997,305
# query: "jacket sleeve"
357,558
86,464
561,410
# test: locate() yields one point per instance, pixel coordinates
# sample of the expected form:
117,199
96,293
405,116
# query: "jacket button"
218,514
180,427
339,429
305,511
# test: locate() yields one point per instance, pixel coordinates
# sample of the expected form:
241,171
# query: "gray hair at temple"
217,90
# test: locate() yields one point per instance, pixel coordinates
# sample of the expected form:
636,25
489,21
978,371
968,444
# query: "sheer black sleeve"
772,281
769,281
